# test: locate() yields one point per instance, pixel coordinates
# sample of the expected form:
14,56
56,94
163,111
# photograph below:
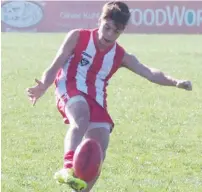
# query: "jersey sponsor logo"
84,62
86,54
85,59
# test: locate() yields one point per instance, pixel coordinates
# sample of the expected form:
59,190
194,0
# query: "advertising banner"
61,16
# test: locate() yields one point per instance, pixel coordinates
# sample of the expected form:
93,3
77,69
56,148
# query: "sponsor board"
62,16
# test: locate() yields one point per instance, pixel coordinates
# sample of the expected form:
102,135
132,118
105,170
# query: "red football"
87,160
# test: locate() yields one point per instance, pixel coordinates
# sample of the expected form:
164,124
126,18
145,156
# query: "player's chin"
106,43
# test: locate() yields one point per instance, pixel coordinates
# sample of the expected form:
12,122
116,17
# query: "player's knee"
82,122
78,115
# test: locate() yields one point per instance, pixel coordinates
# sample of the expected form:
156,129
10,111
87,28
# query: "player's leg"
77,111
101,133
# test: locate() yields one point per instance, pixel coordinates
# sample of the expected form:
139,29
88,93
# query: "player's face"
108,32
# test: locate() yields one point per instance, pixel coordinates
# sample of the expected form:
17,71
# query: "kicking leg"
77,111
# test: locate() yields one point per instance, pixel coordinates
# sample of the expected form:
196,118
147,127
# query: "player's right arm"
48,77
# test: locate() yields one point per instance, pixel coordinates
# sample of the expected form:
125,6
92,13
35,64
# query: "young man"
81,69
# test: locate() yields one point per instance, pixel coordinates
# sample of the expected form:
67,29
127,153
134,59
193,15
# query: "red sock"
68,159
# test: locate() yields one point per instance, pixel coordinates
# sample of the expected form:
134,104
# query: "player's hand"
35,92
184,84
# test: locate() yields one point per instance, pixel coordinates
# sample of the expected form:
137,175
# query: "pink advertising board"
61,16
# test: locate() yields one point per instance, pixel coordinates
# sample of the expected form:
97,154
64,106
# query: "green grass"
156,145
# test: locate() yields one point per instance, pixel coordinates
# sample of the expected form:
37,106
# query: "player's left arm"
154,75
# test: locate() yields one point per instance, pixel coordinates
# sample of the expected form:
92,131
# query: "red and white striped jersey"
88,70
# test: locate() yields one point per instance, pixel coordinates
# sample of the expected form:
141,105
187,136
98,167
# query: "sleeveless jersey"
88,70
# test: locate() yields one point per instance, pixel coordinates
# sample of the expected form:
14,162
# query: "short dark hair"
118,12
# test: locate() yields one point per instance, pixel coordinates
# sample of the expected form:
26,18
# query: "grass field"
157,142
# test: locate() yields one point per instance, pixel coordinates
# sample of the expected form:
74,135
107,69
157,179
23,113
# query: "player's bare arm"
153,75
49,74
